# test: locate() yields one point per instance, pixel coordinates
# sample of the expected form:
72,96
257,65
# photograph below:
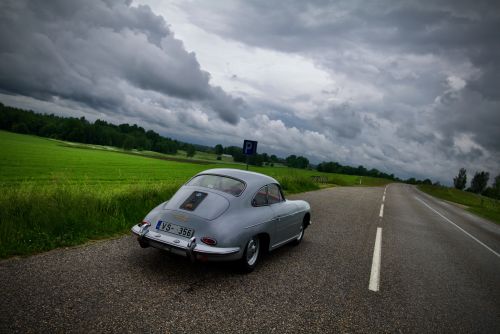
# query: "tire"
251,255
297,241
305,223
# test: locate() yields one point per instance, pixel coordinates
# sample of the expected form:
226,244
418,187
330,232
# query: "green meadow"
57,194
486,207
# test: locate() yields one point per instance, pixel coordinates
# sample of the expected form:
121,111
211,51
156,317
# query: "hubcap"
301,234
252,251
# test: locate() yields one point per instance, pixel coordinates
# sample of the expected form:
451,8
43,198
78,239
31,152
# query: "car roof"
250,178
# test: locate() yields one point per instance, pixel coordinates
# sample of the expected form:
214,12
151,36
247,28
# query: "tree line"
335,167
129,137
478,184
82,131
260,159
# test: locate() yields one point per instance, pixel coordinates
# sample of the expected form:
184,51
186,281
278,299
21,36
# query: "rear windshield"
226,184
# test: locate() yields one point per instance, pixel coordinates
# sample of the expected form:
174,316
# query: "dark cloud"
305,25
468,112
341,120
95,52
404,86
337,33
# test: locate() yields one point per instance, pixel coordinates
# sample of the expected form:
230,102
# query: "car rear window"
273,194
223,183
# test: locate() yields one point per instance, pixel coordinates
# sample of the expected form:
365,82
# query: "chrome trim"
192,242
219,251
144,229
189,247
284,242
267,221
291,214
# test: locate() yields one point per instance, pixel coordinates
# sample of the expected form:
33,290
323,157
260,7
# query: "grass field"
483,206
55,194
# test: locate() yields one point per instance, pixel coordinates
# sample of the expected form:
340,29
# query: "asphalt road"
433,277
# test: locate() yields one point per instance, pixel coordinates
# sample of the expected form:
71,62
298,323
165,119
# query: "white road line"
381,214
461,229
377,254
383,198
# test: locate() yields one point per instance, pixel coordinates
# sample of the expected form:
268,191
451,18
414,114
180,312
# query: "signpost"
249,148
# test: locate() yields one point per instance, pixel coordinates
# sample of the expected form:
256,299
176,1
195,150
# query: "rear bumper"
184,247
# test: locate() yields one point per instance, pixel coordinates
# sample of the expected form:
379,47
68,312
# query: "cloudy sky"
408,87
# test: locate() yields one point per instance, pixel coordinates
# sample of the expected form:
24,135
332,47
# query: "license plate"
175,229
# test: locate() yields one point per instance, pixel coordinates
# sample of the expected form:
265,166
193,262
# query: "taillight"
144,224
209,241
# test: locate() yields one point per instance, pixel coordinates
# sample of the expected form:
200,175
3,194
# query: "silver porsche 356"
223,215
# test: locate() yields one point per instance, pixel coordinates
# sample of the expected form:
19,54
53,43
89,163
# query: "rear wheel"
251,255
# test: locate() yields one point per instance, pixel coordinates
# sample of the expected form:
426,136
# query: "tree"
236,152
411,180
479,182
190,150
20,128
461,179
494,190
129,143
427,182
297,161
219,149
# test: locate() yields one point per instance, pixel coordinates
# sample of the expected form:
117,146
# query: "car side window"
260,198
274,194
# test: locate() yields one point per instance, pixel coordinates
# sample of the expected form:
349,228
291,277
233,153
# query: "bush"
296,184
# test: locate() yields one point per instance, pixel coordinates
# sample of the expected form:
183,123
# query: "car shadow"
165,265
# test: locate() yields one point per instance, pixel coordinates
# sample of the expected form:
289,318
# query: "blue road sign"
249,147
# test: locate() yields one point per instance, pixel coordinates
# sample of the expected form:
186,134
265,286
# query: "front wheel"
299,238
251,255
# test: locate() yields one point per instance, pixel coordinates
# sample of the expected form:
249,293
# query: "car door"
284,214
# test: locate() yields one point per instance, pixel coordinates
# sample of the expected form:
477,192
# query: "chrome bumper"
184,247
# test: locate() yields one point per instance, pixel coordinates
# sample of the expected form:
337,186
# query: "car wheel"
299,238
251,255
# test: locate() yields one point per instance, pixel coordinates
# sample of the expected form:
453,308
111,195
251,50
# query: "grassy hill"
55,194
483,206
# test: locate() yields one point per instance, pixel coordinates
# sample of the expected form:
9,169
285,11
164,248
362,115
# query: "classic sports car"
225,214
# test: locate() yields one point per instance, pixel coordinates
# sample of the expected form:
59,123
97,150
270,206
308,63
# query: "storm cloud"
95,52
427,71
411,88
